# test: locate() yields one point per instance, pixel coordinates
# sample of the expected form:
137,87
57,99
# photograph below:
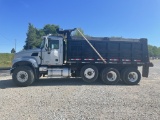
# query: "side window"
54,44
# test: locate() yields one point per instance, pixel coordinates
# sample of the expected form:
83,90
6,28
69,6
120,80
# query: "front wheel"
23,76
89,73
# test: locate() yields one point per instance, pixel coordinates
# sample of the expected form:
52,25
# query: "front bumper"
11,70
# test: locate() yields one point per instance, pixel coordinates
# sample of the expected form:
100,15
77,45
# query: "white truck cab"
52,50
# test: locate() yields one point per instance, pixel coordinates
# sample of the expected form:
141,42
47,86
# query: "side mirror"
48,49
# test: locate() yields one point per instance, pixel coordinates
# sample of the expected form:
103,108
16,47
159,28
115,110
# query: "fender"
24,60
30,61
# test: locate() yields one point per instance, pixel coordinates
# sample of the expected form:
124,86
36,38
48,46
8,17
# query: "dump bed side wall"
120,51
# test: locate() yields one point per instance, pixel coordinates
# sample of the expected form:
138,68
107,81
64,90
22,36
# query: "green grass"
6,59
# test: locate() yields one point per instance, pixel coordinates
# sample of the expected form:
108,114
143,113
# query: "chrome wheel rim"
111,76
89,73
132,76
22,76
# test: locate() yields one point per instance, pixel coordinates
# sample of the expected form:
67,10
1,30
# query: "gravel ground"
74,99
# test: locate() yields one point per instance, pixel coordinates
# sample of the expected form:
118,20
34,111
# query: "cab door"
53,52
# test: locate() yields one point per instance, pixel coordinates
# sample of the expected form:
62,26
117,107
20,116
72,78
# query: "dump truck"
109,59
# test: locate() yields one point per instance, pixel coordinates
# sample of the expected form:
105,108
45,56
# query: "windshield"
42,44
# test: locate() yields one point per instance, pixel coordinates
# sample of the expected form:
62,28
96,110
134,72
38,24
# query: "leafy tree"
34,35
153,51
76,33
50,29
31,40
159,52
13,50
39,33
150,51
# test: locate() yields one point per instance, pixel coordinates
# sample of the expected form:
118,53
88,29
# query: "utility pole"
15,45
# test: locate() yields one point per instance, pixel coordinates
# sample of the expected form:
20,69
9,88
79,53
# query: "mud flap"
145,69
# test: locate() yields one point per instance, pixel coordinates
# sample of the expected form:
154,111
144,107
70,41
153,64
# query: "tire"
131,76
23,76
38,77
89,73
121,76
110,76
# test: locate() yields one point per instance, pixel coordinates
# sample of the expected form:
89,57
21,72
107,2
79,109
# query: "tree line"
34,35
154,51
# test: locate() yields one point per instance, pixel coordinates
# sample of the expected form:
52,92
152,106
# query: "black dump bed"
113,50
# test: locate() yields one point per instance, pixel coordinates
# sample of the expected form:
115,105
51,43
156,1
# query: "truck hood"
27,53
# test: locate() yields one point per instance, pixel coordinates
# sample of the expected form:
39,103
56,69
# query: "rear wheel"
23,76
131,76
89,73
110,76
